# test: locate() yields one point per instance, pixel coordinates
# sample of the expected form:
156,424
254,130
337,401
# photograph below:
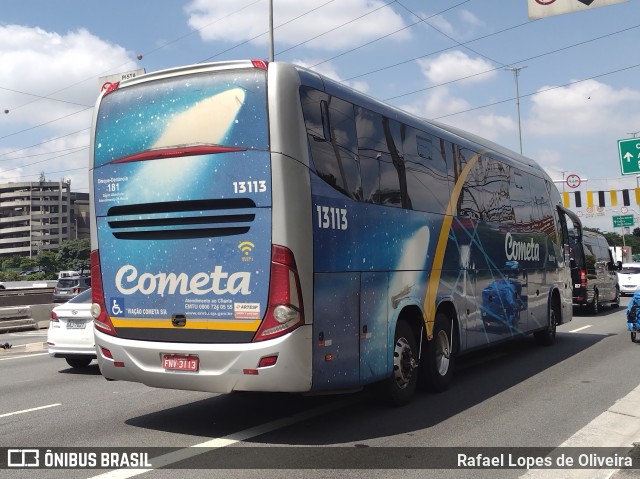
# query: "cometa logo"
521,250
128,281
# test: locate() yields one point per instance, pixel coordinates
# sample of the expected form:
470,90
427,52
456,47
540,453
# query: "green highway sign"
629,156
623,220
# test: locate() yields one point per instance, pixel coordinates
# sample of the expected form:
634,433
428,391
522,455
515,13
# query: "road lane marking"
219,442
580,329
25,356
617,427
29,410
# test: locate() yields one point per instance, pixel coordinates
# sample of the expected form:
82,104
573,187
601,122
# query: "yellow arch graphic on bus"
429,306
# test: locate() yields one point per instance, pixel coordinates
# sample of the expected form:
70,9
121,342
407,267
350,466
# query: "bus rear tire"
548,336
400,387
438,364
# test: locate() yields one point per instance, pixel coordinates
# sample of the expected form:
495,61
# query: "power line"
540,91
42,161
340,26
77,148
45,123
41,143
535,57
266,32
404,62
424,20
164,45
385,36
40,97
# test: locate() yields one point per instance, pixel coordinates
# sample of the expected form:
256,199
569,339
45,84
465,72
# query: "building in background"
39,216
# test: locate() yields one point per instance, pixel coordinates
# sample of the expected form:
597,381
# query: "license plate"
180,362
71,324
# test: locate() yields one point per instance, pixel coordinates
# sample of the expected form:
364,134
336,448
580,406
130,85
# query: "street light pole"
271,52
516,73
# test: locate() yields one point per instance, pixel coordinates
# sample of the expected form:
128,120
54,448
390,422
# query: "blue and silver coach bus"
259,227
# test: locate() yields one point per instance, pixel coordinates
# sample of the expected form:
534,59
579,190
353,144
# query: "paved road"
581,392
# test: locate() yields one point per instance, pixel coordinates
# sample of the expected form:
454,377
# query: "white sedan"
70,334
629,278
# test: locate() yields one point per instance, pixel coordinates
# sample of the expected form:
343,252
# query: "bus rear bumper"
223,368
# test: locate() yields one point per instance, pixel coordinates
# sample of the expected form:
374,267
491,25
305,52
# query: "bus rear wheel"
438,363
548,336
401,385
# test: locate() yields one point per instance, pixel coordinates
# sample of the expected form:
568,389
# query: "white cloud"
36,63
226,20
440,102
583,108
455,65
64,68
460,30
60,158
471,20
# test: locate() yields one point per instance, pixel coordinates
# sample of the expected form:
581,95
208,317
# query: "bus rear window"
226,108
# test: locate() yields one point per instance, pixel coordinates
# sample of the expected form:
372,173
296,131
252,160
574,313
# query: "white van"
68,274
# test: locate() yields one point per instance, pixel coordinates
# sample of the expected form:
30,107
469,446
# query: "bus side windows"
542,211
332,139
381,161
520,196
428,169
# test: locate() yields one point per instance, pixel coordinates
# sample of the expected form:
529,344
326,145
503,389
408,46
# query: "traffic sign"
573,181
629,151
623,220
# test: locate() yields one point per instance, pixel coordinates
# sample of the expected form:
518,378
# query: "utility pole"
271,52
516,73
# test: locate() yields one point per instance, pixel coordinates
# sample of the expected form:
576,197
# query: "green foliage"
72,255
10,276
11,263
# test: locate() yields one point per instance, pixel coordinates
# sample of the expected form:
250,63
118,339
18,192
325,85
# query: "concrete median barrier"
23,318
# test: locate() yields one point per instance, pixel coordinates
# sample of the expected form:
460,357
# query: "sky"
454,61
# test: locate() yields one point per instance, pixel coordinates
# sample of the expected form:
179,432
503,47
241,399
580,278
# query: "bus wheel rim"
403,363
443,353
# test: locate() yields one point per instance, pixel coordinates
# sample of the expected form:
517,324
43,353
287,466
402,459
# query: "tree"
47,262
74,254
12,262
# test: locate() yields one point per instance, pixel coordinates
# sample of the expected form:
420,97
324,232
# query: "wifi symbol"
246,247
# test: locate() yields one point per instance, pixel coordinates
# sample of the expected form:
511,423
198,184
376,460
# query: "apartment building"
38,216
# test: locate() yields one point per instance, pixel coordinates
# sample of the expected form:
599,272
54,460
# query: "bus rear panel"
186,270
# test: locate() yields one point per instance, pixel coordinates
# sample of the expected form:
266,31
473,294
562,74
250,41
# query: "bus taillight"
261,64
101,319
285,311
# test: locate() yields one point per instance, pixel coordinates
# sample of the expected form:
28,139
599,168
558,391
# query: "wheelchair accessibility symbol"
117,306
